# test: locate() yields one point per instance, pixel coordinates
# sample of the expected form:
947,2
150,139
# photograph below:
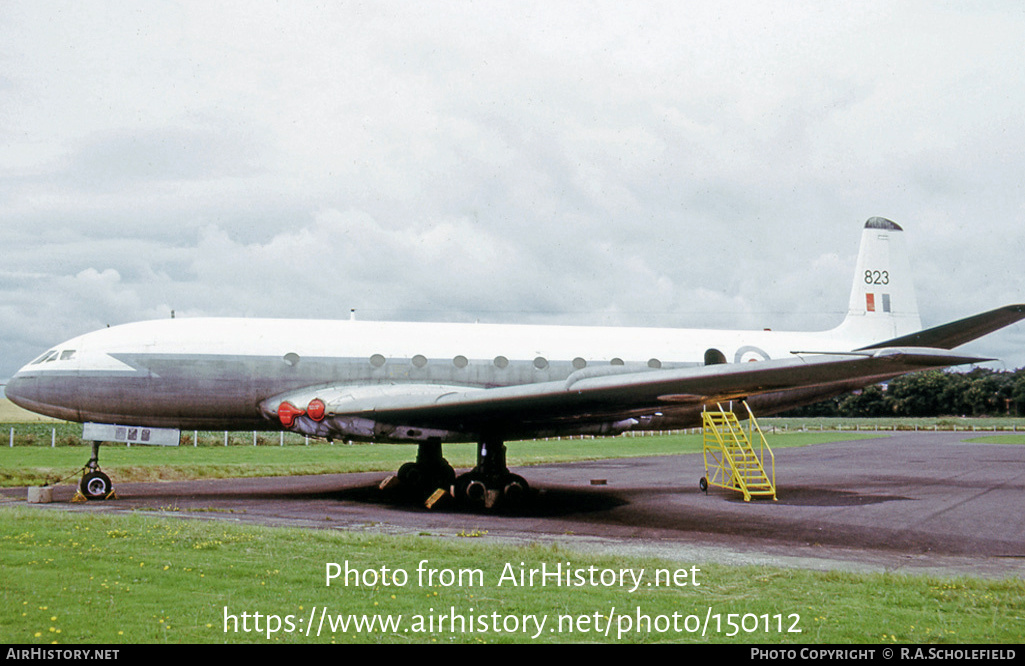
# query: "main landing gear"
430,471
489,485
95,485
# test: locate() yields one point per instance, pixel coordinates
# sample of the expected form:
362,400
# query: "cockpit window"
67,354
48,356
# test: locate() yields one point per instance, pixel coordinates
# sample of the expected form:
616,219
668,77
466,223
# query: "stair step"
739,461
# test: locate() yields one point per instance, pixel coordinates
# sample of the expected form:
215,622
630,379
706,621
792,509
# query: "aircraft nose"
39,393
16,390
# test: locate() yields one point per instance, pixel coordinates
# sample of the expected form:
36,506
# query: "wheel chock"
435,497
79,497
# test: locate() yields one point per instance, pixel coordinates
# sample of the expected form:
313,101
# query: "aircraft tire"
446,477
515,490
516,493
95,486
476,492
470,489
411,475
414,476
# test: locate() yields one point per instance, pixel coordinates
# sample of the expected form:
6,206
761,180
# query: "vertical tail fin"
883,303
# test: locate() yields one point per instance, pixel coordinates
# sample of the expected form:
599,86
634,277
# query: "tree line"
980,392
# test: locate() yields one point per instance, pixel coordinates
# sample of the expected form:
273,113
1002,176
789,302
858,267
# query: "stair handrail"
727,460
754,427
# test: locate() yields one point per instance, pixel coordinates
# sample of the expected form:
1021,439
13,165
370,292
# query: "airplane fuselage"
214,373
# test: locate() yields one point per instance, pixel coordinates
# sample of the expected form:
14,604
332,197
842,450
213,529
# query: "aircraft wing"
948,336
600,396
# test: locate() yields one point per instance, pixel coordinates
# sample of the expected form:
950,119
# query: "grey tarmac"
923,503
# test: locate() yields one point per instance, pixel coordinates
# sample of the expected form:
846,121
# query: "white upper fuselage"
434,342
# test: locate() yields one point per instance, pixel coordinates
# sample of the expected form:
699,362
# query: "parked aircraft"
428,384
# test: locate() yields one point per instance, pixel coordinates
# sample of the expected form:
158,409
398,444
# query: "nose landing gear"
95,485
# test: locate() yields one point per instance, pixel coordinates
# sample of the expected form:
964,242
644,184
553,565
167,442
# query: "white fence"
30,435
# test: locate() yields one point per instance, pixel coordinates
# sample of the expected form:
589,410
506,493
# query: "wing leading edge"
583,402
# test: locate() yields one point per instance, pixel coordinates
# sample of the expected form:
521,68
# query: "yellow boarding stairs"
736,463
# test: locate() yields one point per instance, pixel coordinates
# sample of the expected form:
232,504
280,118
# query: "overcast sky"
700,164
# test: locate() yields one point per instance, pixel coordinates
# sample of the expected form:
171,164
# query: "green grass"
98,578
999,439
949,423
41,464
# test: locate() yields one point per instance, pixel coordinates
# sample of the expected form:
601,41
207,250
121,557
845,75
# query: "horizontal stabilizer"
958,332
